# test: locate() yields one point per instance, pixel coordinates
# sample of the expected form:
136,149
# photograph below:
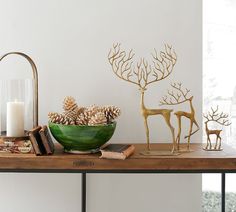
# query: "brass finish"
143,74
35,77
220,118
176,98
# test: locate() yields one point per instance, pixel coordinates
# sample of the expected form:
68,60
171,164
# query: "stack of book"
38,142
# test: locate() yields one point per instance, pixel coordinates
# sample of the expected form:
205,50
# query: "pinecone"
69,104
70,114
93,109
60,119
98,119
83,118
111,112
81,110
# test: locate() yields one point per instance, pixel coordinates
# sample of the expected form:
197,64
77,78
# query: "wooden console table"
198,161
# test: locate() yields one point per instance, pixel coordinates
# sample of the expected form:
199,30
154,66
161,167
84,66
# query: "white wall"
69,41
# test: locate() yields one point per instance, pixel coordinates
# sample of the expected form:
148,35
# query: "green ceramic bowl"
82,139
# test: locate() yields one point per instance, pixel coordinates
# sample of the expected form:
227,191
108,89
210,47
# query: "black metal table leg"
222,192
83,194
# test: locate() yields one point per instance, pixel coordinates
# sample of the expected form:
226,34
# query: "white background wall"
69,41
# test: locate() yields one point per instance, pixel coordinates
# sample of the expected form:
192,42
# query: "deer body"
189,115
178,98
212,132
166,113
143,74
219,118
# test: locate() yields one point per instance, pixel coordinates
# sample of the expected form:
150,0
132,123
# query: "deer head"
142,74
215,116
174,98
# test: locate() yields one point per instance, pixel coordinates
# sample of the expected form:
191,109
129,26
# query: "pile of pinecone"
92,115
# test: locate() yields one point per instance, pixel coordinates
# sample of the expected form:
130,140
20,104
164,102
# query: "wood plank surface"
198,160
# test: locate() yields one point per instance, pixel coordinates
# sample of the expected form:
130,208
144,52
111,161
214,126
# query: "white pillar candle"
15,119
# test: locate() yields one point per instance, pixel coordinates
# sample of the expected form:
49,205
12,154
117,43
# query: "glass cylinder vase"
16,107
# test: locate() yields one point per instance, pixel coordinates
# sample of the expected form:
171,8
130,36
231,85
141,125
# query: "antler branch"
163,64
143,73
175,98
220,118
121,63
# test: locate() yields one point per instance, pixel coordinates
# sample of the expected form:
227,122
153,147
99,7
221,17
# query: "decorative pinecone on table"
83,118
70,108
98,118
93,109
111,112
60,119
69,104
70,115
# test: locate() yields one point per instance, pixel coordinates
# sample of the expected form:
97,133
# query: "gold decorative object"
217,117
175,98
143,74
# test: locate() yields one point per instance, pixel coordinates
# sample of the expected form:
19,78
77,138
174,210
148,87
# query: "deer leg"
208,142
189,135
216,144
207,146
219,142
172,129
147,132
194,121
179,132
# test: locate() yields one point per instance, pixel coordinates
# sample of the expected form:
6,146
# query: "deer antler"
176,98
143,73
220,118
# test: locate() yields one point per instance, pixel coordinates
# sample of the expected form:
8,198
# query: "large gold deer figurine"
143,74
176,98
220,118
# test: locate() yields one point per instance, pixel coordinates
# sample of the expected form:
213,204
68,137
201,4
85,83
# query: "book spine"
113,155
45,142
129,151
34,144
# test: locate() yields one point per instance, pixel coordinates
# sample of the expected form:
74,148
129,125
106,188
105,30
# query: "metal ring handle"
35,77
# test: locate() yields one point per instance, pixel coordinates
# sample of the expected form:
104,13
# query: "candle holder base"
4,137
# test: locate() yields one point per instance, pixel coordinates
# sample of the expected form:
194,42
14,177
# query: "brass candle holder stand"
3,135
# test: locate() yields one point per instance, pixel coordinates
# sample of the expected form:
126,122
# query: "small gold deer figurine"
176,98
143,74
220,118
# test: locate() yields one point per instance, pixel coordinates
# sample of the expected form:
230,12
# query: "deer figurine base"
158,153
212,149
185,150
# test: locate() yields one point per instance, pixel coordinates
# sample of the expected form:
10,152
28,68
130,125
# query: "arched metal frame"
35,78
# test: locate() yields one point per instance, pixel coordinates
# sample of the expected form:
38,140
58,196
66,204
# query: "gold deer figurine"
220,118
176,98
143,74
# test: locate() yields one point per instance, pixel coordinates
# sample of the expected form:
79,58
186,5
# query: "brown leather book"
117,151
36,141
47,140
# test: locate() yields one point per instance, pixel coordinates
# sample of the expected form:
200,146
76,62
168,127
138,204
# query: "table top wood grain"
196,161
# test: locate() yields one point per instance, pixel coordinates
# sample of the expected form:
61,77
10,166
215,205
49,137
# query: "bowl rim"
105,125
